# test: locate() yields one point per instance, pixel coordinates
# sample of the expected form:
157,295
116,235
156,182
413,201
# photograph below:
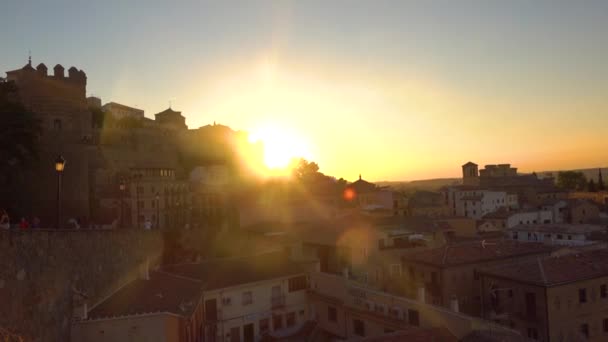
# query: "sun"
281,146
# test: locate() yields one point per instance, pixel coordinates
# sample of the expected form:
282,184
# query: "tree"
20,132
303,169
591,186
600,181
571,180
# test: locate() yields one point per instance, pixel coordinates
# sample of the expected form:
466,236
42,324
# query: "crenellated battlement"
74,76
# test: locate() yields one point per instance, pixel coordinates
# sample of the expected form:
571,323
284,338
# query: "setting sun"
280,146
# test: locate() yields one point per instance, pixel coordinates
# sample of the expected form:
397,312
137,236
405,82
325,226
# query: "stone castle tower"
470,174
59,102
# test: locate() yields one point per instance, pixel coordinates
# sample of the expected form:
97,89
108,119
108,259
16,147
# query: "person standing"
24,224
35,222
5,222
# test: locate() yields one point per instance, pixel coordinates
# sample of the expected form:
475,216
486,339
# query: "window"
359,327
569,237
247,298
605,324
434,278
412,273
603,291
264,325
297,283
585,330
277,322
140,189
291,319
514,235
57,125
533,333
226,301
332,314
559,236
531,304
395,270
582,295
140,204
413,317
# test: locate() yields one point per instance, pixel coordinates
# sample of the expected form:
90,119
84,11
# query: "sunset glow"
280,146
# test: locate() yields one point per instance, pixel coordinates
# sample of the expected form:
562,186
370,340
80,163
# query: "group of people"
24,223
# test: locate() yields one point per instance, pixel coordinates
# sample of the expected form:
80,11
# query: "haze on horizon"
392,90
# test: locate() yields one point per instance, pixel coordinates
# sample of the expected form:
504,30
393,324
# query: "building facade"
550,299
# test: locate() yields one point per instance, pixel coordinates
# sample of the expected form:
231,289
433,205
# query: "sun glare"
280,146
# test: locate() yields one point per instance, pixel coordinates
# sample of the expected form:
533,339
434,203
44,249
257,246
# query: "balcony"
277,302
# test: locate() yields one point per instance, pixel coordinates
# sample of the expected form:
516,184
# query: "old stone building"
449,273
60,103
559,298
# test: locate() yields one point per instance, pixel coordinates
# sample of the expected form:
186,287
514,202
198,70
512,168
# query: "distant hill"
424,184
589,173
435,184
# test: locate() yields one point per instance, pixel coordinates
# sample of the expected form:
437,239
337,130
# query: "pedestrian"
148,225
36,222
5,222
24,224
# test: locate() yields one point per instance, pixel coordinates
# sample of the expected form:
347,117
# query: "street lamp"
59,167
122,186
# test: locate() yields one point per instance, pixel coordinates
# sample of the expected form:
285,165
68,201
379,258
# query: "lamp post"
122,188
157,211
59,167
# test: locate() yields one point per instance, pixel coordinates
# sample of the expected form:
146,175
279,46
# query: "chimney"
421,294
454,304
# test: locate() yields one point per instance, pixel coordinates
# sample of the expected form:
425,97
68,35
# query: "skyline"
380,90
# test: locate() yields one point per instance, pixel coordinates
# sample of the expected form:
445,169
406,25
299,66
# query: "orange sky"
392,90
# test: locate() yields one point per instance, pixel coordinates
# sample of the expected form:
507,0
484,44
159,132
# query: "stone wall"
44,275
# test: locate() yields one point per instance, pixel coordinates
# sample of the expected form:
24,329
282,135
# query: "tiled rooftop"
474,251
413,334
220,273
550,271
161,293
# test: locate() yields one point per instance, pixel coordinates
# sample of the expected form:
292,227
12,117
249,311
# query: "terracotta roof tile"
162,293
555,270
220,273
474,251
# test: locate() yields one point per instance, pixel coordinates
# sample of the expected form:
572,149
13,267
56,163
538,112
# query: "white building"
473,202
121,111
557,234
480,202
529,217
247,298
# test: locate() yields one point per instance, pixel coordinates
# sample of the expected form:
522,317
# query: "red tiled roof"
473,251
555,270
220,273
414,335
162,293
